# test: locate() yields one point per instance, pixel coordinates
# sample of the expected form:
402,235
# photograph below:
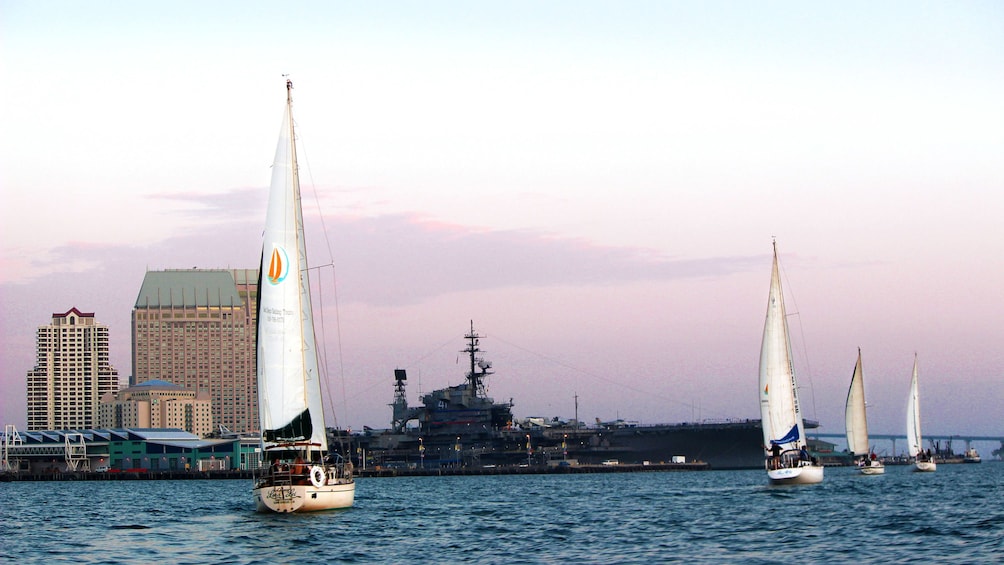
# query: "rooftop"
188,288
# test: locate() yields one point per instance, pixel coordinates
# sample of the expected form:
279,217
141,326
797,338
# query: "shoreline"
144,475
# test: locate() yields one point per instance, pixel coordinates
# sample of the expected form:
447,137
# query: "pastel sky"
595,184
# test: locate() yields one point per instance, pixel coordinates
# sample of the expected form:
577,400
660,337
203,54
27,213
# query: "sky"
595,185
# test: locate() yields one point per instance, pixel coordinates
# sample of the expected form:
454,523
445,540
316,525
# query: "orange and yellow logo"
278,265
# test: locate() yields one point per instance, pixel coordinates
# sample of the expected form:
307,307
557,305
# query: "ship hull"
807,475
873,469
723,446
731,445
304,498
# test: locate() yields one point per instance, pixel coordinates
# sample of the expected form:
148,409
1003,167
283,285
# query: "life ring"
317,477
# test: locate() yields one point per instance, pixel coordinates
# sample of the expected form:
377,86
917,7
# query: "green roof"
188,288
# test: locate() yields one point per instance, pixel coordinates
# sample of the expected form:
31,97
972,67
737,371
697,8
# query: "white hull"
304,498
873,469
925,466
808,475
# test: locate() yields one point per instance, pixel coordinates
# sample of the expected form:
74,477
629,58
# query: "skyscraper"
196,328
72,372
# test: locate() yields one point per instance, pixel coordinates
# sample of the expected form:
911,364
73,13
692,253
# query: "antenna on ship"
474,377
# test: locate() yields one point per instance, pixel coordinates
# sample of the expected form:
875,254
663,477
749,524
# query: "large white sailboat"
787,460
914,442
856,424
298,473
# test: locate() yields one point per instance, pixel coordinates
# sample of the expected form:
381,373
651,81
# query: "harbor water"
954,514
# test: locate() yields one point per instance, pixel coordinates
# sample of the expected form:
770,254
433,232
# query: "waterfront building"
72,372
196,328
124,449
157,404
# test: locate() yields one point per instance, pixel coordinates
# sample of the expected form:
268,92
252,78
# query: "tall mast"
474,377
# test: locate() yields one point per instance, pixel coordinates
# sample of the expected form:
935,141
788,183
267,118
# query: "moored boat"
971,456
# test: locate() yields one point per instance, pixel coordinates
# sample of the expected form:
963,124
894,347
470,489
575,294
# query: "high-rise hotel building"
72,372
195,328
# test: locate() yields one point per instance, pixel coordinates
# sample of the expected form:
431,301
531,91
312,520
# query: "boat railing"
333,470
789,459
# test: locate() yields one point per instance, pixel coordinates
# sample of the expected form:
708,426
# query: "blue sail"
790,437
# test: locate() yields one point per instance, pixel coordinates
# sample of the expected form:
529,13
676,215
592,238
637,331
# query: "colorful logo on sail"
278,265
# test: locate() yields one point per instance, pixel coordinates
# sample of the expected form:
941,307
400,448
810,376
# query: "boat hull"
873,469
925,466
304,498
807,475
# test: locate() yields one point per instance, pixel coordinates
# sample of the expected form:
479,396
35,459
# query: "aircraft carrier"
461,426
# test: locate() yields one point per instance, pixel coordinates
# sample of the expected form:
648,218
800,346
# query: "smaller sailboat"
922,461
856,425
787,460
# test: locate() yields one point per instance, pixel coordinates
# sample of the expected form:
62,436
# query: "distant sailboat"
856,424
787,460
298,473
922,461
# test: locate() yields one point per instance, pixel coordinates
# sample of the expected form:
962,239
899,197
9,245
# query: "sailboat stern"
304,498
302,487
873,469
805,475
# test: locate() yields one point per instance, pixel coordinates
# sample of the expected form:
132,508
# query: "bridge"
928,438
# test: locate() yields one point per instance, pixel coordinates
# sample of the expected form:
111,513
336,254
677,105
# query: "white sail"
783,431
289,392
779,411
913,439
855,421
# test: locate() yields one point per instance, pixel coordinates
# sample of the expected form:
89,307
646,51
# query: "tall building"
157,404
72,372
196,328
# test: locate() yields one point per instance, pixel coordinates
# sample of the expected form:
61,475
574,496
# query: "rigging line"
334,286
593,375
323,351
436,350
801,332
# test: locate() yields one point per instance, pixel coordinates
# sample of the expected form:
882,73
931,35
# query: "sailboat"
787,460
298,473
856,424
915,445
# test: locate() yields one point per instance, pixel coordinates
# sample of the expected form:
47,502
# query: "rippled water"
717,516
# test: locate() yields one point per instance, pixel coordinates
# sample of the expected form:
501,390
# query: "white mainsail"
779,412
289,391
913,439
855,421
